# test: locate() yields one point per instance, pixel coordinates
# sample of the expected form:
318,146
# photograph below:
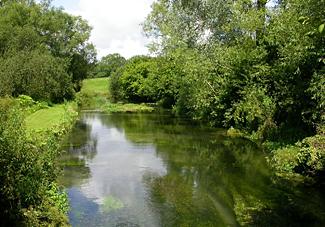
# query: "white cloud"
116,24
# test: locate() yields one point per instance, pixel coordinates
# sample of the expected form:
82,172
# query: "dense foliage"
145,79
29,195
44,52
108,65
254,65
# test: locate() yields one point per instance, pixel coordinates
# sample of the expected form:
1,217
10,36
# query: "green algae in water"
111,203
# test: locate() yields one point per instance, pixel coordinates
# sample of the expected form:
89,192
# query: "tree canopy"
44,51
108,65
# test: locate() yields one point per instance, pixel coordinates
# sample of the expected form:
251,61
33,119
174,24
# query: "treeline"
107,66
44,52
245,64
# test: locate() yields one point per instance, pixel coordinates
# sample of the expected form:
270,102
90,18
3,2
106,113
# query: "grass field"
47,118
95,86
94,94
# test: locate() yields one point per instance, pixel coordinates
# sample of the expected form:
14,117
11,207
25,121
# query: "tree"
37,74
108,65
131,79
226,48
30,27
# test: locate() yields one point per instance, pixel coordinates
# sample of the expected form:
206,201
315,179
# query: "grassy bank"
30,135
95,96
50,117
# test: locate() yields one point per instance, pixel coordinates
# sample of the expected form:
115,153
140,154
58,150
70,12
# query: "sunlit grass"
95,86
47,118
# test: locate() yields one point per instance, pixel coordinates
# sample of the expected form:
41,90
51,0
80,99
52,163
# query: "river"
157,170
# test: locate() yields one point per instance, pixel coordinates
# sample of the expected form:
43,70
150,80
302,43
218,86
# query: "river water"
156,170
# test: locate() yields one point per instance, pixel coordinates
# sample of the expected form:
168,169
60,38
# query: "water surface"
156,170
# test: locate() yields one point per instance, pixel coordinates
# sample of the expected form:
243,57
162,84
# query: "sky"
116,24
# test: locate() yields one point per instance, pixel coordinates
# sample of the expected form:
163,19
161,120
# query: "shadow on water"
156,170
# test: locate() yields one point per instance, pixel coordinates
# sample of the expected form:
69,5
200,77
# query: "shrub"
28,170
254,112
304,159
114,85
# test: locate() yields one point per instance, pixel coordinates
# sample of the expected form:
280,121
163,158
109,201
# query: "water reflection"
155,170
80,147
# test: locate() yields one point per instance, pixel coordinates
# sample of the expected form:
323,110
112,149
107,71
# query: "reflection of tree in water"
228,180
146,128
81,142
203,174
80,147
212,177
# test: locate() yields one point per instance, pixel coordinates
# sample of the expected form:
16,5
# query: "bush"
114,85
28,170
304,159
131,82
254,112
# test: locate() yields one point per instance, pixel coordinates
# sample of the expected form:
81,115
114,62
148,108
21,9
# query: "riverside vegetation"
255,67
44,55
95,96
28,156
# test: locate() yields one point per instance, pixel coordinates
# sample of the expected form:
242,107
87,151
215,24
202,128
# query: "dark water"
155,170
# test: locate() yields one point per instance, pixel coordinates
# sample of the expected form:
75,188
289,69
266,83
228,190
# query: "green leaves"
28,170
145,79
44,51
108,65
304,159
304,20
321,28
37,74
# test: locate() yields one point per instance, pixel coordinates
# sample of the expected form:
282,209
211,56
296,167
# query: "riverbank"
45,119
295,157
47,125
31,133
